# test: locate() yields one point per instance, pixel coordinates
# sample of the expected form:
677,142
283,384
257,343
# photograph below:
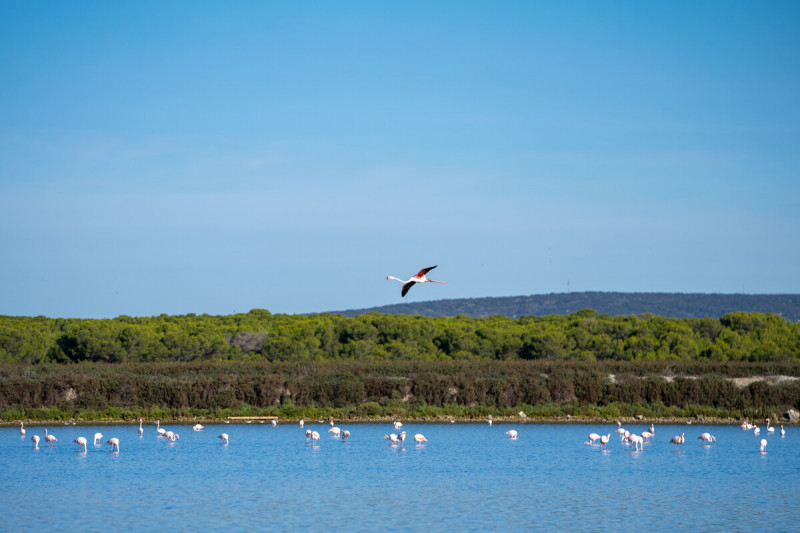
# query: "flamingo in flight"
420,277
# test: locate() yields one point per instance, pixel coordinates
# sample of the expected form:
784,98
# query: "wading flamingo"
160,430
604,440
48,438
398,425
21,429
402,437
392,438
707,438
198,427
419,438
97,437
308,436
646,435
80,441
419,278
335,430
593,438
224,437
314,438
763,445
770,429
636,441
756,431
345,436
302,423
677,439
114,443
512,433
35,440
783,431
141,429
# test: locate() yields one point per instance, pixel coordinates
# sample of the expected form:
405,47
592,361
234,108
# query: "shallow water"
468,477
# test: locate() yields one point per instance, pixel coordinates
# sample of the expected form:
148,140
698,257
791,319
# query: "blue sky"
202,157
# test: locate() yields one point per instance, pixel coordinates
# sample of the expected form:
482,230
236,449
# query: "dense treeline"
259,335
414,389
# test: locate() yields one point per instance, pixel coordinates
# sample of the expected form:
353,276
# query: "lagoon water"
468,477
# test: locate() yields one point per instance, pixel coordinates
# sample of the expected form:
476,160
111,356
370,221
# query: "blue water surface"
467,477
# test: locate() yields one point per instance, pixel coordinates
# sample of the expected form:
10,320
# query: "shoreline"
706,421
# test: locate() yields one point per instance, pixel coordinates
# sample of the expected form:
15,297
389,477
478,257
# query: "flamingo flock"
636,441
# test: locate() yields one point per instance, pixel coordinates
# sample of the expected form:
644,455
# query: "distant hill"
676,305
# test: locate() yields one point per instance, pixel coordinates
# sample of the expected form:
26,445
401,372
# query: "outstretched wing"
406,286
425,271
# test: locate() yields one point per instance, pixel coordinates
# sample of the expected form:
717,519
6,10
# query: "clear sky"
215,157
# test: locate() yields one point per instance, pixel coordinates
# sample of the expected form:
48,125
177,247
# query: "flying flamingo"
224,438
419,278
80,441
604,440
97,437
707,438
419,438
114,442
676,440
21,429
35,440
512,434
49,439
141,429
763,445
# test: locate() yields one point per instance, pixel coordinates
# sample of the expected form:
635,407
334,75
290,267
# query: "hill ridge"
667,304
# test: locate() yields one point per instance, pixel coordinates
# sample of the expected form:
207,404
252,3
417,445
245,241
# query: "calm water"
469,477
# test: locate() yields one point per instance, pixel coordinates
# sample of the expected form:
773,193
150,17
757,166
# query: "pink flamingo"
402,438
707,438
35,440
224,437
763,445
48,438
302,423
636,441
97,437
80,441
783,431
604,440
335,430
392,437
314,438
419,278
21,429
419,438
345,436
593,438
676,440
512,434
141,429
646,435
308,436
159,429
114,443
